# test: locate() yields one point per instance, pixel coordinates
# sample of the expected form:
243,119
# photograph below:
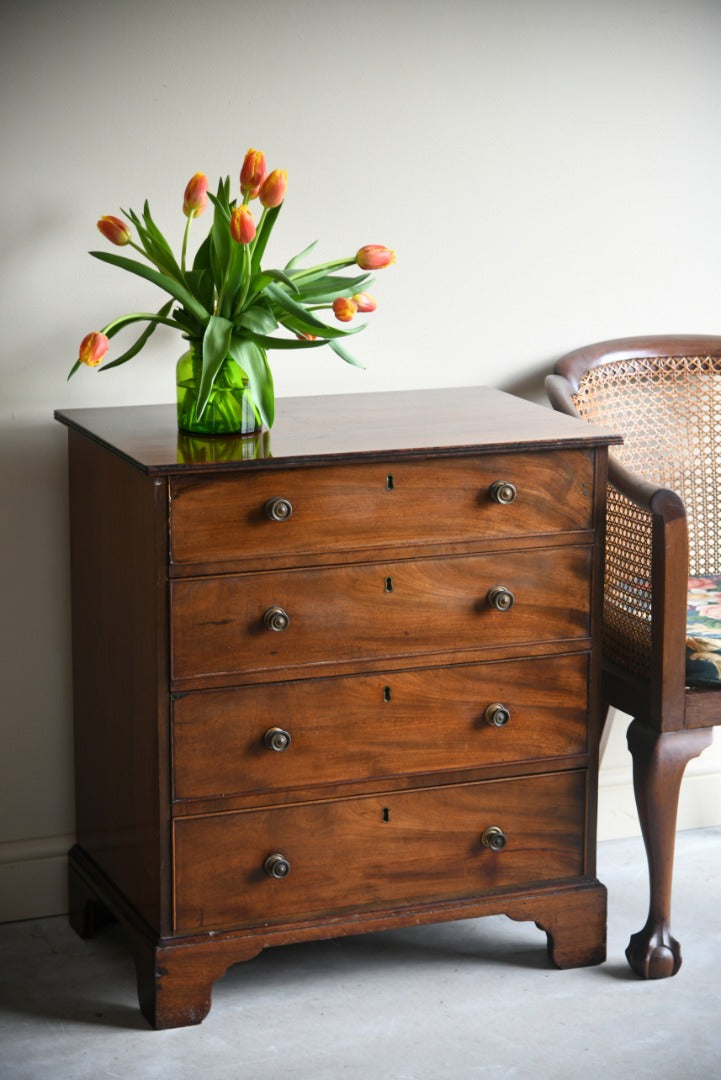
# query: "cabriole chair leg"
659,761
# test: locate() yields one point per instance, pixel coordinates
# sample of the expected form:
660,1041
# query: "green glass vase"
229,410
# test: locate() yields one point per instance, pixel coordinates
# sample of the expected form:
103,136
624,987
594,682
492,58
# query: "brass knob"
276,738
500,598
494,838
276,619
497,715
503,491
276,866
278,509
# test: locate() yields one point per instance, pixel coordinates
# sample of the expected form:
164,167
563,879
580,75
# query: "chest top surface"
340,428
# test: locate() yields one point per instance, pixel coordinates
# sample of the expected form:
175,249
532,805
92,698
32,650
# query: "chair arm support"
668,559
669,590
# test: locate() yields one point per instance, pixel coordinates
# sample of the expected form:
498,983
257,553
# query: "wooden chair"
663,394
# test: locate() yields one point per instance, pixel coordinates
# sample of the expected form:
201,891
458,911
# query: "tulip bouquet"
226,305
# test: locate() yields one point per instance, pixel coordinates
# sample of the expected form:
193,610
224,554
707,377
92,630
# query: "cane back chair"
662,592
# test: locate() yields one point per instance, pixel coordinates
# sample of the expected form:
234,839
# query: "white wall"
546,169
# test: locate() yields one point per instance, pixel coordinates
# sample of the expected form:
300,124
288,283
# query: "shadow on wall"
530,385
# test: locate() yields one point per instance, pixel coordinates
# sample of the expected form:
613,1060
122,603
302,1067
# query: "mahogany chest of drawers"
333,678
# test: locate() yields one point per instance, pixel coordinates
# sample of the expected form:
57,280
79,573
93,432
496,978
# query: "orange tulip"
344,309
274,187
114,229
252,174
374,257
242,226
365,302
195,198
93,348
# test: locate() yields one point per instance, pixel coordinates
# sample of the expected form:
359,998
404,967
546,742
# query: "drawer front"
371,611
361,727
376,851
340,508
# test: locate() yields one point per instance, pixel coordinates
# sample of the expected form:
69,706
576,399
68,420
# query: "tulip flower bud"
252,174
195,198
274,187
344,309
93,348
242,226
374,257
114,230
306,337
365,302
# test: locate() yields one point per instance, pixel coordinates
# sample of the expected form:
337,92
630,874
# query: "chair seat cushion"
703,631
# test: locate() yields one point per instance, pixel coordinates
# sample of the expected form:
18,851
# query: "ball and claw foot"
654,954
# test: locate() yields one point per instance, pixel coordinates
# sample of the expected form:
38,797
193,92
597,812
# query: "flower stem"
139,316
336,264
186,234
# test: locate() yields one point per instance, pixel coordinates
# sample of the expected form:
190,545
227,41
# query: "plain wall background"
547,171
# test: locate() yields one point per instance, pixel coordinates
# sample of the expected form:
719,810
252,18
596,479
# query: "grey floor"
465,999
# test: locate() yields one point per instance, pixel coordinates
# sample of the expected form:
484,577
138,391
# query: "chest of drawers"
334,678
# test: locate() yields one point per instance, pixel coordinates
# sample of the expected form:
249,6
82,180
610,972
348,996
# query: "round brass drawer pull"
276,866
276,738
497,715
494,838
503,491
500,598
278,509
276,619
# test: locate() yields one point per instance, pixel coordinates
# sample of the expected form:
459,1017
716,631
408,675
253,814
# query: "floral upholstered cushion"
703,631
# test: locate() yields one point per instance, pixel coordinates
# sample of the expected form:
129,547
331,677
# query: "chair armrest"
559,393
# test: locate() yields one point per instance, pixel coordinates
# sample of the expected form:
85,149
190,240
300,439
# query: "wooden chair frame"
671,723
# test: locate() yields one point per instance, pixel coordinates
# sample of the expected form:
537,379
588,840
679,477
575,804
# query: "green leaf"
235,276
114,327
202,255
154,244
286,343
221,241
161,244
302,320
252,359
126,320
259,319
200,283
161,280
339,350
259,281
188,324
216,342
326,289
301,255
140,342
262,236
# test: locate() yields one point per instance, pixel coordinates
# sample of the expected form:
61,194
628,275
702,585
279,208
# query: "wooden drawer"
222,519
372,611
366,726
376,851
